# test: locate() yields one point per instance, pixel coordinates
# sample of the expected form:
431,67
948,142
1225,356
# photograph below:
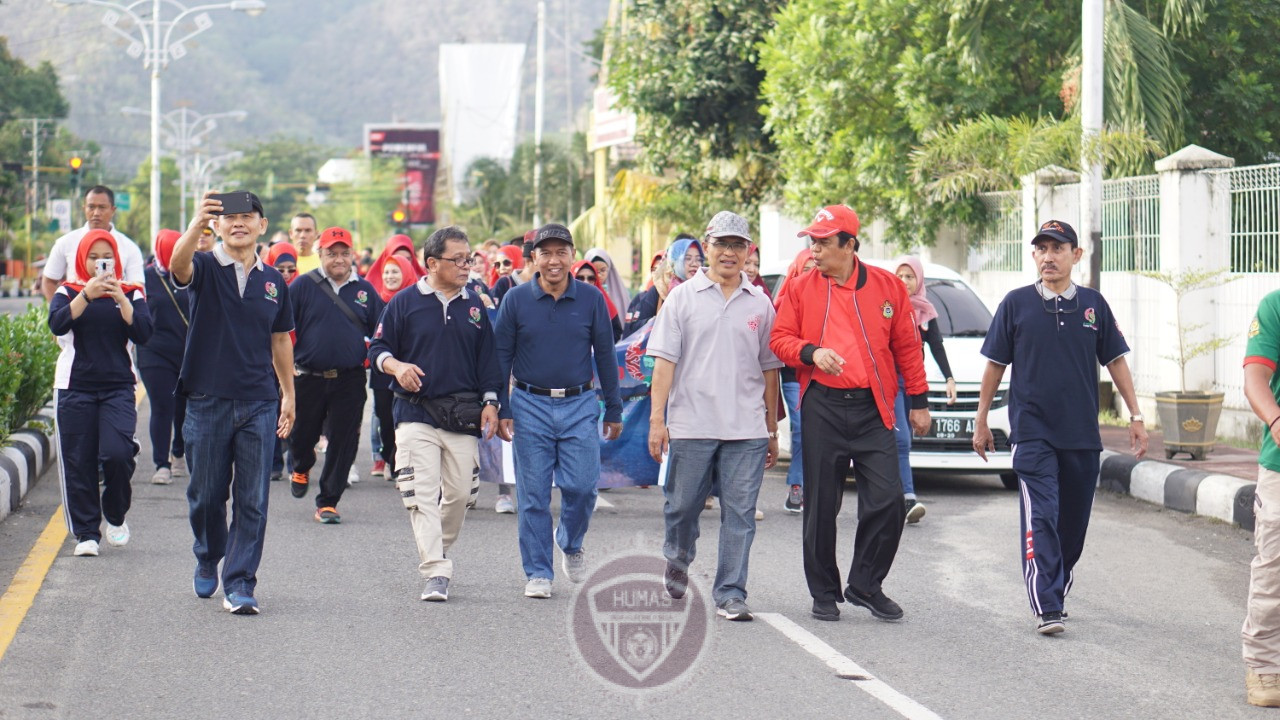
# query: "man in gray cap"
548,332
715,391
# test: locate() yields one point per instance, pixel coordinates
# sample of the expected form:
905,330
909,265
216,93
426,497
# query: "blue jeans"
740,467
791,394
902,433
555,437
230,443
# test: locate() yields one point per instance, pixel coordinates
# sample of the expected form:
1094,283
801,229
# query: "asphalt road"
17,305
1153,633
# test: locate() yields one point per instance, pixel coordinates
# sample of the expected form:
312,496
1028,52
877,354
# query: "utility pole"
1091,121
570,126
537,115
34,204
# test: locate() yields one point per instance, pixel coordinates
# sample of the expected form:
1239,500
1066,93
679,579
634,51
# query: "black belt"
554,392
845,393
326,374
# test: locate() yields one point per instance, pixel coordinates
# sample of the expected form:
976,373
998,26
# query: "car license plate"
949,428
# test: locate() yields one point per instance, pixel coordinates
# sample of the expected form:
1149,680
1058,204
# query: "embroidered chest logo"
272,292
753,323
474,316
1254,328
887,310
1091,319
362,297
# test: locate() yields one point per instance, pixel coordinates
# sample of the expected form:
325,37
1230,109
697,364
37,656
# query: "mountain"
312,69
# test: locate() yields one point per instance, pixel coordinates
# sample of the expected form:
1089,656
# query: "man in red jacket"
848,329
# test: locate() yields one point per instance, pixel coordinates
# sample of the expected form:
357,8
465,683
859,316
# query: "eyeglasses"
505,263
735,246
462,262
1058,305
287,271
587,278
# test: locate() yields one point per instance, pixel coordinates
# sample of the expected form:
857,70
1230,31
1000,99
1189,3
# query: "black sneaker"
677,581
825,610
1051,623
298,485
795,500
878,603
915,511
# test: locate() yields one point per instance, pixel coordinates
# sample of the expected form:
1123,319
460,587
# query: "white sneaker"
538,588
163,476
178,467
353,477
505,505
575,566
88,548
759,515
118,536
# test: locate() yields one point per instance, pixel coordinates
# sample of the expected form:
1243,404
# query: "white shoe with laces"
87,548
353,476
118,536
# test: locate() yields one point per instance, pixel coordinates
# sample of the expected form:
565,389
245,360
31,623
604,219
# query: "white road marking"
846,668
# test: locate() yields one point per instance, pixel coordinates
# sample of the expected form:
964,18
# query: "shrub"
28,356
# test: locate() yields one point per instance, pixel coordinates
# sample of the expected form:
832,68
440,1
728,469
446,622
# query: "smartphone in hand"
234,203
104,267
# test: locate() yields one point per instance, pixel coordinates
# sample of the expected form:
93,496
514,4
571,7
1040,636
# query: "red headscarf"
165,240
613,311
406,270
793,271
515,254
82,261
397,242
281,251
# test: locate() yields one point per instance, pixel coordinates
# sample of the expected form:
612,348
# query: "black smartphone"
234,203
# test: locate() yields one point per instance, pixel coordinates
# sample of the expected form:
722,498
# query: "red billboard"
419,146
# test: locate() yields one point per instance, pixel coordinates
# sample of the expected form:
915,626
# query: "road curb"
23,457
1225,497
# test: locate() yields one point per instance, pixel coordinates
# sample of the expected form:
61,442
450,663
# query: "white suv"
948,447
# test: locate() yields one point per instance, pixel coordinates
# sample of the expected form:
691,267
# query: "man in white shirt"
99,209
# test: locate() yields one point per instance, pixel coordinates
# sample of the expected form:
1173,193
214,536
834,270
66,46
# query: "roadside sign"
60,211
123,201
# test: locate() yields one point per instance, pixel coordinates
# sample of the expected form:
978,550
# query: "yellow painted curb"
17,600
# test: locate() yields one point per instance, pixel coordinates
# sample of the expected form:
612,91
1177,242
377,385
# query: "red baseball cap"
335,236
831,220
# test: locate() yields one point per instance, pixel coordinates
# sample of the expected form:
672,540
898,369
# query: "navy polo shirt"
170,311
95,346
327,339
229,343
451,342
549,343
1053,391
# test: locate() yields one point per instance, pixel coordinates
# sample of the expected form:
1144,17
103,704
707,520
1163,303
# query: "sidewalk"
1220,486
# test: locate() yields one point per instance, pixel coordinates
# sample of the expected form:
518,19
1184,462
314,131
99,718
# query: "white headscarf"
613,281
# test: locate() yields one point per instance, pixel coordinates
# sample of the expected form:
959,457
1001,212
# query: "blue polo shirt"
327,339
450,340
233,316
95,346
1054,345
549,343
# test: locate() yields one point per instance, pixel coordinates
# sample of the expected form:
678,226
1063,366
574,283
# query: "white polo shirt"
62,258
721,350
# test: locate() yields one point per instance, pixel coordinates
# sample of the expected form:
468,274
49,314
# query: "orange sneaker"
298,485
328,515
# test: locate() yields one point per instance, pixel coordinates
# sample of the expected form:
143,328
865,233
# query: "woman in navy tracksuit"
95,321
160,360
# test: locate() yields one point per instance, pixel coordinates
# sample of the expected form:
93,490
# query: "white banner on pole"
480,105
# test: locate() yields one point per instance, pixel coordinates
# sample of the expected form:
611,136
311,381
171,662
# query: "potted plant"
1189,418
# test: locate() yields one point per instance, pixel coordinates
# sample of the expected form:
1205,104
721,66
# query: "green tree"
691,72
280,170
136,222
364,207
500,197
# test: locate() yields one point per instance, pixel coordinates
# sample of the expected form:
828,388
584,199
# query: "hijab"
616,289
82,261
165,240
675,255
794,270
758,280
397,242
925,311
613,309
406,271
281,252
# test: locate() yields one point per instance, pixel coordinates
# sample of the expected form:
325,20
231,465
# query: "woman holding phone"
94,391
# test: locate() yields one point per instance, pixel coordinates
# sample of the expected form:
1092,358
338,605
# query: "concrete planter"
23,457
1189,421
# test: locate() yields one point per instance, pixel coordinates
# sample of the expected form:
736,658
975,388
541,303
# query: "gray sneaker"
179,467
538,588
436,589
505,505
575,566
735,609
163,476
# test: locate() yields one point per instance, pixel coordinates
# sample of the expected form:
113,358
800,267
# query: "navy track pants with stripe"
96,428
1057,488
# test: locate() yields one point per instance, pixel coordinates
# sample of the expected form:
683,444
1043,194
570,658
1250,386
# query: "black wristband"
1273,422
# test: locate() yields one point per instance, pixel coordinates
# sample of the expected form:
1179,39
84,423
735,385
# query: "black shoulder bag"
323,283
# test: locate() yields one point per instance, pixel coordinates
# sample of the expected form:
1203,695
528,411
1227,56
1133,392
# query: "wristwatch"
494,403
1137,418
773,435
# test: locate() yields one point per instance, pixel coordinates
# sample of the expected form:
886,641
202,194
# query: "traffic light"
399,218
75,163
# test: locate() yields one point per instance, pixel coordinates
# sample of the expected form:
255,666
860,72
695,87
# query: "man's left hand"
612,430
771,458
919,420
284,425
1138,439
489,421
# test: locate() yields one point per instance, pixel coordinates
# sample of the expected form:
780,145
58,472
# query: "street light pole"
151,39
1091,122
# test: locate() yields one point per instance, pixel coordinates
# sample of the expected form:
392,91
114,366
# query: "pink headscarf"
925,311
